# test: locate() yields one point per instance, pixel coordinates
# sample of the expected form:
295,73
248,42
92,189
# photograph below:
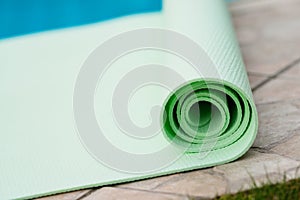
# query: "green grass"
286,190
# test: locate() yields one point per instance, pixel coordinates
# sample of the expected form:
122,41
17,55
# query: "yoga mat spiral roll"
217,108
54,97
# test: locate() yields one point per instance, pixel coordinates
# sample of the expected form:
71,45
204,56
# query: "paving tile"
148,184
291,147
66,196
293,174
246,36
277,123
255,166
256,79
110,193
269,35
201,183
258,60
244,6
277,90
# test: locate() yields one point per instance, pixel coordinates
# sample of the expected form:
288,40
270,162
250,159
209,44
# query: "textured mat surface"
58,95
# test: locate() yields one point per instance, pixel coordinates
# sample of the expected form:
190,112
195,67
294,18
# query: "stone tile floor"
269,35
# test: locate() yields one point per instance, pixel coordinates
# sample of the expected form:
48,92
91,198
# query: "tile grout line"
87,194
167,181
292,64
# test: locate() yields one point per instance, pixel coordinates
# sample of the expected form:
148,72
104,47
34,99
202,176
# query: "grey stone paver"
278,122
67,196
278,90
268,32
290,147
149,184
269,35
111,193
258,167
201,183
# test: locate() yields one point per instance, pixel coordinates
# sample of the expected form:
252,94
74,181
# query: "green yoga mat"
123,100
